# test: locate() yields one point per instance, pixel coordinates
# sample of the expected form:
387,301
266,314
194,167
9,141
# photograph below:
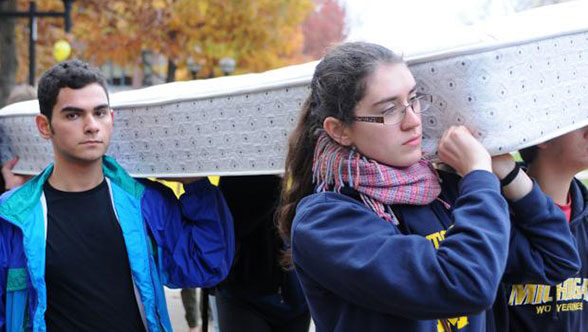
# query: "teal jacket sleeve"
355,255
194,235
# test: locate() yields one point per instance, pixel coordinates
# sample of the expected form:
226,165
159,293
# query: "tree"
8,60
323,27
258,34
49,31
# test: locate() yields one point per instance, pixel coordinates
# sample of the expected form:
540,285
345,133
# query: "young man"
562,307
85,247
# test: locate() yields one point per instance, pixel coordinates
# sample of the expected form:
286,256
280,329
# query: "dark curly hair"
73,74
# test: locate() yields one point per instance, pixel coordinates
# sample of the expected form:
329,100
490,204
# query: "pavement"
176,311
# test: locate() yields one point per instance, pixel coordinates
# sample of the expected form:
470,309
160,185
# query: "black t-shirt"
88,276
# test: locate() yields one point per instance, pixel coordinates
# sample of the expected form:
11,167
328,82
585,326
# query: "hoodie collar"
579,194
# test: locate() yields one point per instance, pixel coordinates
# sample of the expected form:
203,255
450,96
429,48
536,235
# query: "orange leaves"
255,32
258,34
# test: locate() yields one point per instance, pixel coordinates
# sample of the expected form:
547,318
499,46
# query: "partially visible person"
84,246
22,92
258,295
532,306
194,309
191,310
10,180
377,241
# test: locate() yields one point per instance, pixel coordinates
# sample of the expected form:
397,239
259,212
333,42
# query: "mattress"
522,80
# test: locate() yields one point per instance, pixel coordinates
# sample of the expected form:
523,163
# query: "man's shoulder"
119,176
6,227
17,203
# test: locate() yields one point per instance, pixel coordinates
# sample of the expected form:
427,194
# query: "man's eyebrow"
77,109
392,99
71,109
99,107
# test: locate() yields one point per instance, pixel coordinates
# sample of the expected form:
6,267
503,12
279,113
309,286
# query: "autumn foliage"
323,27
258,34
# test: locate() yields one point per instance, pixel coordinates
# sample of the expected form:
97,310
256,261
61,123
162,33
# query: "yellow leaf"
159,4
202,7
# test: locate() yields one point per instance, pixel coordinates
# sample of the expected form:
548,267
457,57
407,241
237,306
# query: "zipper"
140,303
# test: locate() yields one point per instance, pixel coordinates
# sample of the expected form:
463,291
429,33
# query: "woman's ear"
43,125
337,130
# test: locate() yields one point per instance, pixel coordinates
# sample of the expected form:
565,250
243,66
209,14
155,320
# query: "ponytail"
297,181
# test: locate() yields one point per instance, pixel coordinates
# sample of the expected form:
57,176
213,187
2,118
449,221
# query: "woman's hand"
459,149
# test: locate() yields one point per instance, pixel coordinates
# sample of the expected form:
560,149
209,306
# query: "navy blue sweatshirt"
534,305
439,267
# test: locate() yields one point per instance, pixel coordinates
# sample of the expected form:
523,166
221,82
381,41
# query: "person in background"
21,92
10,180
528,306
258,295
190,303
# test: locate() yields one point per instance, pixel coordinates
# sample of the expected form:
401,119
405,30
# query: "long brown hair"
338,84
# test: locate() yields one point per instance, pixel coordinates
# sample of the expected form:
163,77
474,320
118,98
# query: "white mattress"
518,81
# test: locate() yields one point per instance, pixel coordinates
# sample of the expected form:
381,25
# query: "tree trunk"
171,71
147,62
8,60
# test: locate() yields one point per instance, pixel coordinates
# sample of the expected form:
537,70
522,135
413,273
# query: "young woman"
378,241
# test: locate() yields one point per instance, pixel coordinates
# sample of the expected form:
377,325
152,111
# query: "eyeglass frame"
380,119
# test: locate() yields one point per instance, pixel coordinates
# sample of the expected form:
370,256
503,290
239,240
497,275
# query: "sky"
417,26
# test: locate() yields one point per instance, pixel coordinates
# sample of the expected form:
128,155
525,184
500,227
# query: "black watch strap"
510,176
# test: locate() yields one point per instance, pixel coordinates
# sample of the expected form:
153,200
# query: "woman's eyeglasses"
419,103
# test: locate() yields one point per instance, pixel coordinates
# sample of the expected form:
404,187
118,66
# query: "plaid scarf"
335,166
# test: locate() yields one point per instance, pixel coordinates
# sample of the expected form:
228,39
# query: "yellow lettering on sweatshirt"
436,238
458,322
522,294
570,296
542,309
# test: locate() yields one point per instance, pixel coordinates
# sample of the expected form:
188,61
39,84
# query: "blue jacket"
178,244
537,305
440,267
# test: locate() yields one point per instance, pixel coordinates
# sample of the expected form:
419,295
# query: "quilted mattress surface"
521,80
